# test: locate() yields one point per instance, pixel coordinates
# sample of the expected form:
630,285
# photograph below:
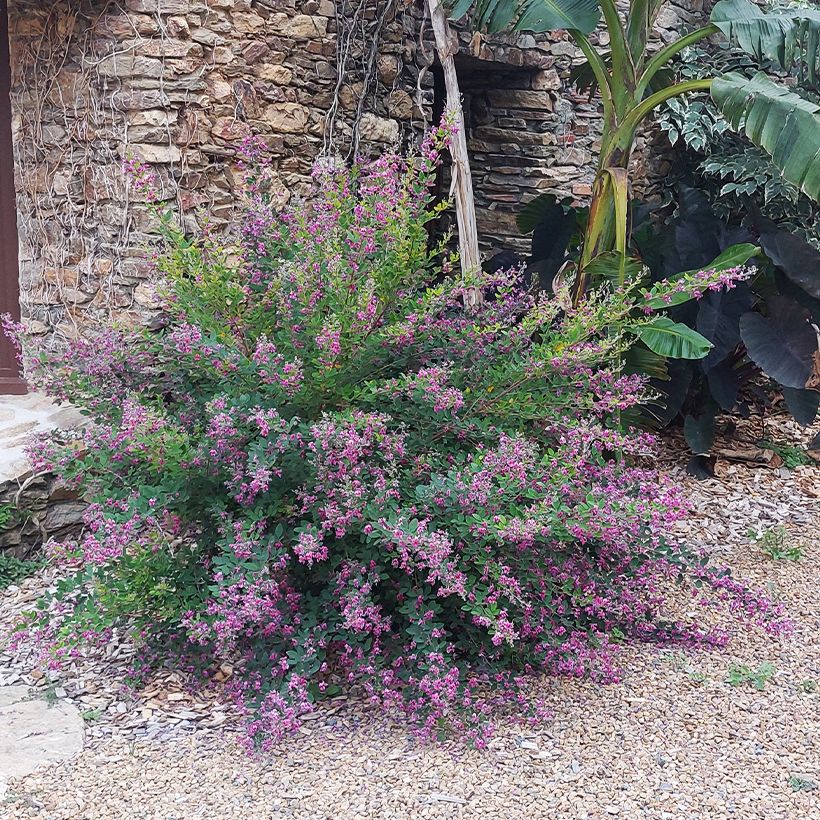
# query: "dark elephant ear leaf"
545,210
699,432
718,320
814,448
782,345
802,404
724,385
798,260
674,390
552,224
693,244
697,235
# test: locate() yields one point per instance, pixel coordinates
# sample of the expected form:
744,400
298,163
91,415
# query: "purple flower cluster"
694,286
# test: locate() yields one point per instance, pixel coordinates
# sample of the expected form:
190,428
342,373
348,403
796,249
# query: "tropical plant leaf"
641,360
782,345
798,260
641,16
672,339
530,15
675,390
697,236
614,268
553,225
699,431
724,385
802,404
777,120
732,257
583,77
545,210
786,287
787,36
718,320
701,467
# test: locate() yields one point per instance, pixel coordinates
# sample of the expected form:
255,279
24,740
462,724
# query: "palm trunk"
446,46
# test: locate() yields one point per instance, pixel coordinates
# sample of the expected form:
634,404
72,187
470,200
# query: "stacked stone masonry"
180,83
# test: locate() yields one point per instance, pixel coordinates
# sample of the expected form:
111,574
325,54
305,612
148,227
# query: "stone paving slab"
20,416
34,733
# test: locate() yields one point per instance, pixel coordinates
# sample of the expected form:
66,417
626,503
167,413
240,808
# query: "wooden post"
446,47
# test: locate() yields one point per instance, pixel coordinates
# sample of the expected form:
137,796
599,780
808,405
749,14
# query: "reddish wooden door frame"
10,380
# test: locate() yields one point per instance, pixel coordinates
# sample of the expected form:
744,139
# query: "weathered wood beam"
446,48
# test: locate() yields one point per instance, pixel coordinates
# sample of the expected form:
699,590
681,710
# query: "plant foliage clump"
13,569
328,471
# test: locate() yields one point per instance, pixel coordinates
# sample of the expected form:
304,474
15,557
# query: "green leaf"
733,257
612,266
787,36
777,120
545,208
699,432
641,17
530,15
672,339
640,359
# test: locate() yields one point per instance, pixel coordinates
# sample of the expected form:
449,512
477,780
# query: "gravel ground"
673,740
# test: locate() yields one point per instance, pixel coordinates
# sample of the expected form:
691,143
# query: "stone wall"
34,506
39,508
180,83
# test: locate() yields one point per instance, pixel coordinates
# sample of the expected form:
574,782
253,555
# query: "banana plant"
631,82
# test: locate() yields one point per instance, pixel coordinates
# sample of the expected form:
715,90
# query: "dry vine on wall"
80,233
97,79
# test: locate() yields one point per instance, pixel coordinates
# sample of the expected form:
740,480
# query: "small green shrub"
792,456
808,686
682,663
740,674
802,783
13,570
775,542
49,695
6,516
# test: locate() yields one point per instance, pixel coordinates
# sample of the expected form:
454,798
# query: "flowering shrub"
328,471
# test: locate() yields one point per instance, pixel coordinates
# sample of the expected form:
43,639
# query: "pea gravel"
673,740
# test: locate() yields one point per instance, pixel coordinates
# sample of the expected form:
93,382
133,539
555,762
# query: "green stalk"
623,71
660,59
625,134
606,212
641,15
